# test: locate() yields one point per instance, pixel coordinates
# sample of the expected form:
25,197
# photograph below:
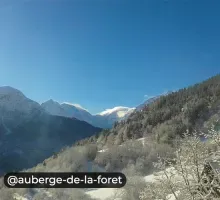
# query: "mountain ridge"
28,134
196,107
105,119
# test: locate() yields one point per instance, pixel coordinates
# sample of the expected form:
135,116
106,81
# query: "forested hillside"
195,107
38,138
168,118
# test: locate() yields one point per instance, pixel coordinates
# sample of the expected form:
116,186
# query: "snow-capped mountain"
116,114
15,108
53,108
104,119
67,110
28,133
12,99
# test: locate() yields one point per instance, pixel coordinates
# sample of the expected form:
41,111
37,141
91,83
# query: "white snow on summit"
53,108
12,99
67,109
120,111
104,119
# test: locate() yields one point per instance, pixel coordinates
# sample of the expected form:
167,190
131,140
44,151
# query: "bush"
183,180
7,194
72,159
90,151
140,154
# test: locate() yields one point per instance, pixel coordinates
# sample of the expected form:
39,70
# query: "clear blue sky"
106,53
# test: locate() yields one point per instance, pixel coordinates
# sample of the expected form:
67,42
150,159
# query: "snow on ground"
160,175
172,197
142,140
111,193
103,193
103,150
19,197
107,193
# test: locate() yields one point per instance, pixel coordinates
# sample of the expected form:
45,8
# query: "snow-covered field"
110,193
103,193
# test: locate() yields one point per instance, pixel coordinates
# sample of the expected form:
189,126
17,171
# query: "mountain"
169,116
115,114
15,108
28,134
147,102
151,100
153,129
67,110
53,108
12,99
105,119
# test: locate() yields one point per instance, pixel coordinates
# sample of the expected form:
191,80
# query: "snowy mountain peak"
53,108
12,99
120,111
7,90
65,109
51,101
104,119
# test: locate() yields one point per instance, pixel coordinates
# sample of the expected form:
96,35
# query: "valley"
156,147
106,94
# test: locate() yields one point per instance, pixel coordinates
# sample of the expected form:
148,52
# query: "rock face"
28,134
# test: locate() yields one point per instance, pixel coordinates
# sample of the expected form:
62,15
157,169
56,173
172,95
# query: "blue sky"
106,53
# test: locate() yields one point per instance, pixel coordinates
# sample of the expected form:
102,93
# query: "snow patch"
103,193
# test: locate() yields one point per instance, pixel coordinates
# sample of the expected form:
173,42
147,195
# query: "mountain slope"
151,100
191,108
117,111
15,108
38,138
53,108
12,99
66,110
28,134
115,114
104,119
